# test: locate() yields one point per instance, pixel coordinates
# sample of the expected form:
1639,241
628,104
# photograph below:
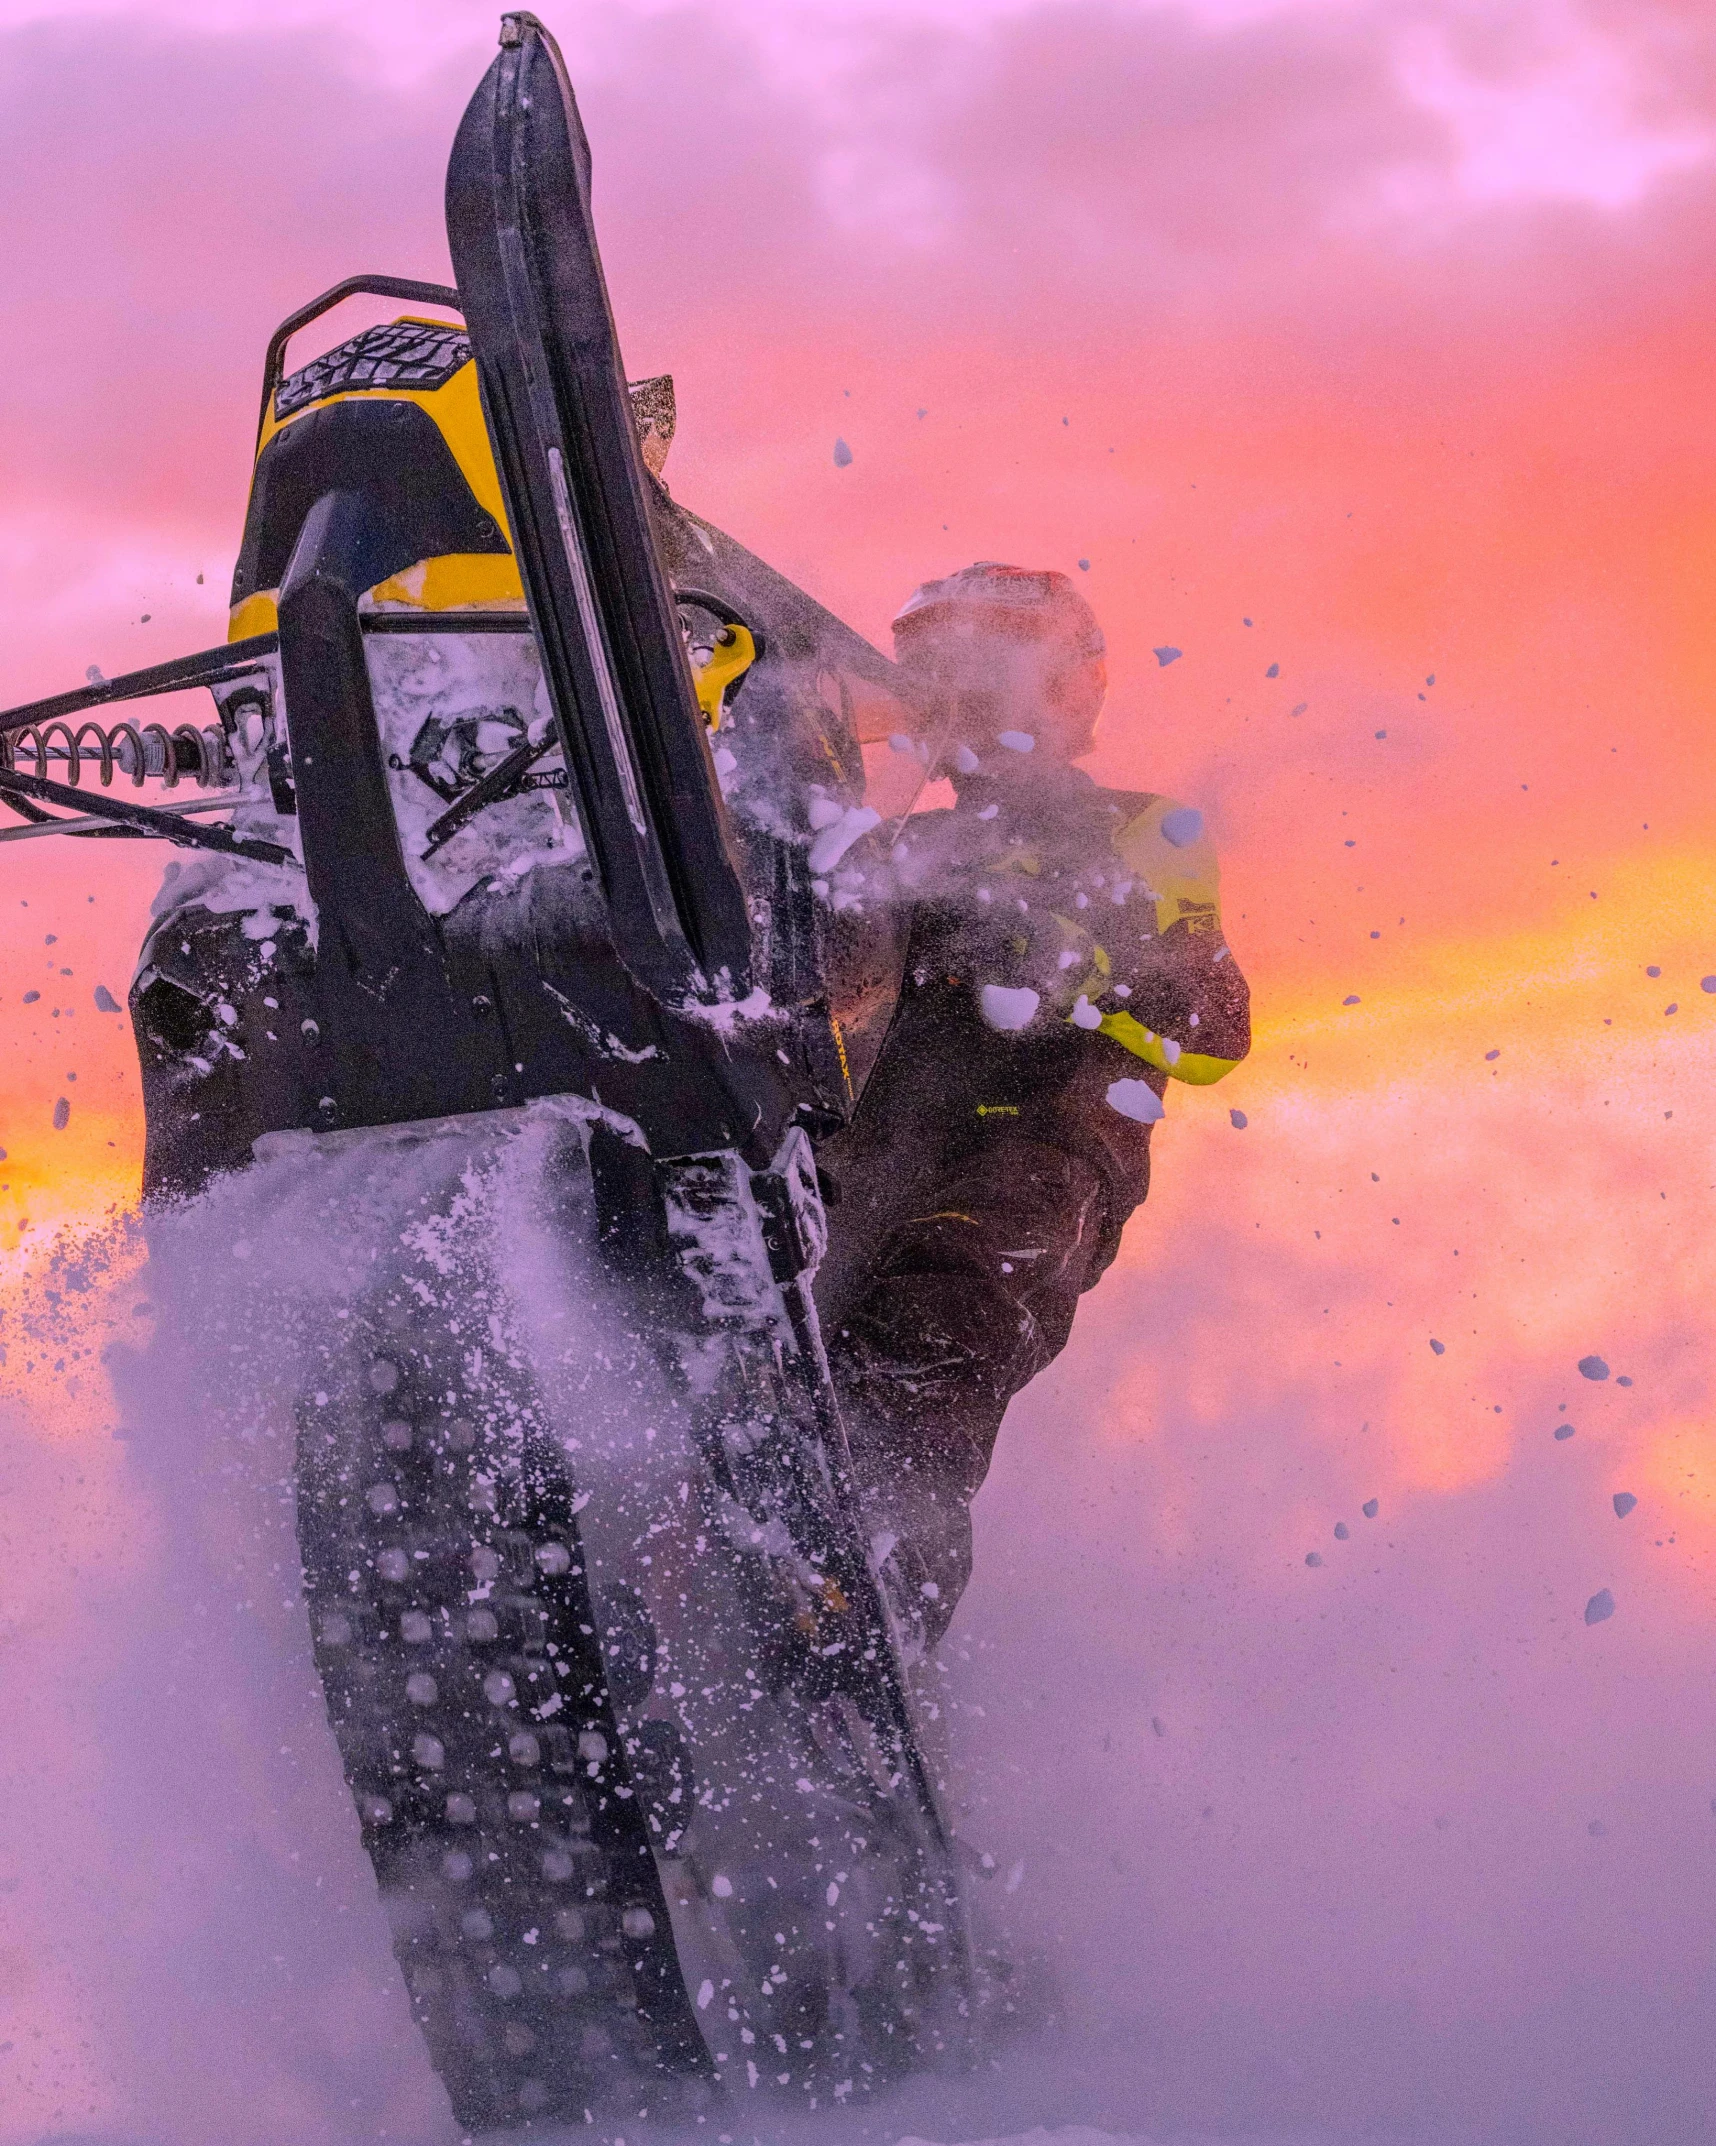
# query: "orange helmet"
1005,648
1015,603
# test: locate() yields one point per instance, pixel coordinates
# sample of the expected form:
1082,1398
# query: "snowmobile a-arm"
209,667
27,793
559,419
140,819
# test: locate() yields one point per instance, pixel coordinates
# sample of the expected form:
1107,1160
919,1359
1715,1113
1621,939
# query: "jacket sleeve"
1175,999
1012,1201
971,1290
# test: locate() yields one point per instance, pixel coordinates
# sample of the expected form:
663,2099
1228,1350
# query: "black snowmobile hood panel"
388,449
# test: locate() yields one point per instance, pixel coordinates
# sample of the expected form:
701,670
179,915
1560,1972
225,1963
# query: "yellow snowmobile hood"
415,362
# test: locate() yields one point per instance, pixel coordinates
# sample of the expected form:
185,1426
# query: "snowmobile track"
454,1632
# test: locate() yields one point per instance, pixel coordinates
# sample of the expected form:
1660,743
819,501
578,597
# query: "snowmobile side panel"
565,444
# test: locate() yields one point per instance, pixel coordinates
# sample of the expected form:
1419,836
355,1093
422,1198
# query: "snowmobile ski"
554,395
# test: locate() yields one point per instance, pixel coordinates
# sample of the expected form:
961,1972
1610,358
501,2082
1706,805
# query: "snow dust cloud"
1317,1808
1343,1807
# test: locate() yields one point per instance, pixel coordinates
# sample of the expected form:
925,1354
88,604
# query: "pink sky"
1386,327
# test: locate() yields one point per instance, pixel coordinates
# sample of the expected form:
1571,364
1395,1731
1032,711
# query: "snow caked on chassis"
522,830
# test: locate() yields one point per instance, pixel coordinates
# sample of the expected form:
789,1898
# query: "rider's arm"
1172,997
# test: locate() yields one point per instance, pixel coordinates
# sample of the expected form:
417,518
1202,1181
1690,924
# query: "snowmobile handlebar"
274,364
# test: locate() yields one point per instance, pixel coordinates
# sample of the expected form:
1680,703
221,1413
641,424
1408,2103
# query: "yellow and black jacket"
987,1176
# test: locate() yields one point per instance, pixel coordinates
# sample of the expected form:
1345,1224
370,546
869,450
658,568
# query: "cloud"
169,199
1087,140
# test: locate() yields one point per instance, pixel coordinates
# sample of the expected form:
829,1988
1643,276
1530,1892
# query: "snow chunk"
1624,1503
1016,741
105,1002
1135,1099
1182,826
1600,1607
1084,1014
1008,1009
1165,656
1593,1367
725,1014
1238,1120
838,837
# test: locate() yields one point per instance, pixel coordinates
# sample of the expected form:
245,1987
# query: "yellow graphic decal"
1194,1067
1181,877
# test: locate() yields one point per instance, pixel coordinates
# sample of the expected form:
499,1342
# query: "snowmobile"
533,803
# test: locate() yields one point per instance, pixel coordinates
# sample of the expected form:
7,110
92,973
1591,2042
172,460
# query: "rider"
1066,961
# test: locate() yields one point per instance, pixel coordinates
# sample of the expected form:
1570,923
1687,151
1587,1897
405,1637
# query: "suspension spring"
144,752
